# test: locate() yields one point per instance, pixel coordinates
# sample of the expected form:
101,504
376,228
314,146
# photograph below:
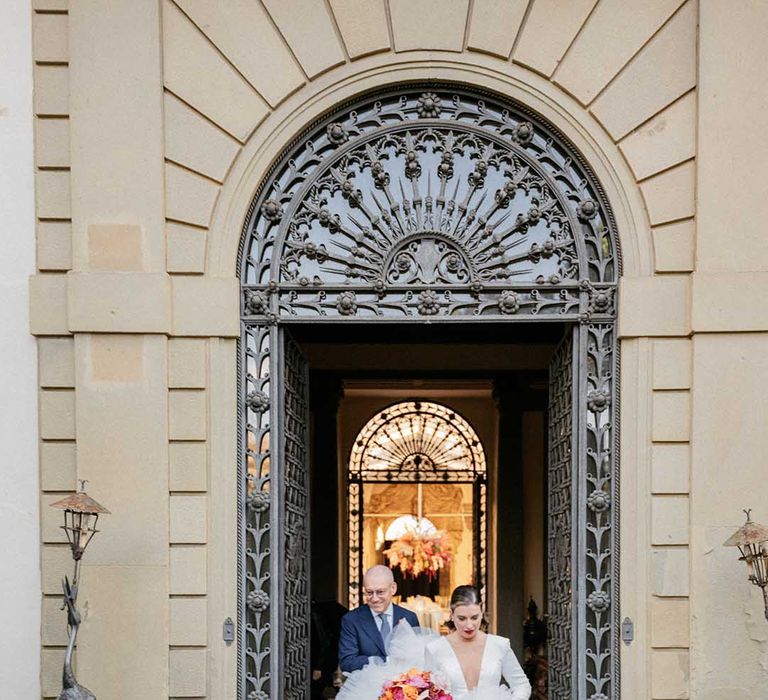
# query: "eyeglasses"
378,593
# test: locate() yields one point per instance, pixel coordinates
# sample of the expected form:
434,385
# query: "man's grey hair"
379,571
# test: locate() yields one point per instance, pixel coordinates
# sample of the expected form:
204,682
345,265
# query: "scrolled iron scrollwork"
560,546
431,203
295,522
430,188
255,577
599,581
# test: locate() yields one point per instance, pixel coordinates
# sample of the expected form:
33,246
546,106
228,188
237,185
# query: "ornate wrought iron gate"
582,580
442,205
293,523
560,550
277,508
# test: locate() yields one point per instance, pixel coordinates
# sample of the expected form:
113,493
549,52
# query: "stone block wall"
154,124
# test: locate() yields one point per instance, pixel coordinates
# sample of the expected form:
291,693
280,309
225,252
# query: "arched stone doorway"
430,204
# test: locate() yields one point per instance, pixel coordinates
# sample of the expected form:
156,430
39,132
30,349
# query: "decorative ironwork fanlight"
417,440
429,204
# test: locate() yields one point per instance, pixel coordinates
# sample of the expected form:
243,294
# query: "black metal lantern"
81,513
752,541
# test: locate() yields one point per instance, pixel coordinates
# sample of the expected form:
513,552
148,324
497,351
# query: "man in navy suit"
365,631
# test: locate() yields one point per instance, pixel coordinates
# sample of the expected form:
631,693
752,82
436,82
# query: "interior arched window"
417,439
417,471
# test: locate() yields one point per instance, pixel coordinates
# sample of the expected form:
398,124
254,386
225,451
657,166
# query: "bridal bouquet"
414,685
416,553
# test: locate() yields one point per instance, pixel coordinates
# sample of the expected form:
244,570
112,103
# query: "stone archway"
428,203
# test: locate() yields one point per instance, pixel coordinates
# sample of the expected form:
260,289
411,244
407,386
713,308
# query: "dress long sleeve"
514,675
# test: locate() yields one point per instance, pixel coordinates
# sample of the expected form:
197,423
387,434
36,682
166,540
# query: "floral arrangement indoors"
417,553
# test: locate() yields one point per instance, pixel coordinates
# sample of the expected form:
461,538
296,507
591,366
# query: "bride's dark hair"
466,595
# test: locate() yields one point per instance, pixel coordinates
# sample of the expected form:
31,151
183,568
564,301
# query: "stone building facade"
154,124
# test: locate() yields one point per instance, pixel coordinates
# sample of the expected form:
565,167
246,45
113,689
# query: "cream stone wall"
155,123
729,635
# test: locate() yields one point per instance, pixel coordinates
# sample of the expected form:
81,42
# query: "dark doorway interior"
357,369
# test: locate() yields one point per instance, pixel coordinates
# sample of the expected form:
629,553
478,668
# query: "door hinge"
228,631
627,631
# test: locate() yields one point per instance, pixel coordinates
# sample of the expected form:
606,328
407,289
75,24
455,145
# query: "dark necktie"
385,628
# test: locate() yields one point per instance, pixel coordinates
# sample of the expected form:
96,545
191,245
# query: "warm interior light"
409,523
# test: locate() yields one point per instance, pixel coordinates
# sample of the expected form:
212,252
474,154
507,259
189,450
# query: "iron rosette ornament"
430,202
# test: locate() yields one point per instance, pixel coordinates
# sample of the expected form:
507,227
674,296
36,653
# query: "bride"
469,663
473,661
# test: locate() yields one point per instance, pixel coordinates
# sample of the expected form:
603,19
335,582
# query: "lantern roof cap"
80,502
749,533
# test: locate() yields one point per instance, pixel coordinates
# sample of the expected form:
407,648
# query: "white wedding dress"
498,662
427,651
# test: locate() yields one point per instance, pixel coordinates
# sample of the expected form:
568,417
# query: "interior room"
433,437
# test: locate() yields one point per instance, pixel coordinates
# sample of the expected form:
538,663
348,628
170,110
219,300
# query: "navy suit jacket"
360,637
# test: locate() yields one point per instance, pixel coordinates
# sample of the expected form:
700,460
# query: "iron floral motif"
257,400
599,301
523,132
255,489
598,400
429,106
599,501
429,303
601,567
474,300
258,601
258,502
428,260
272,211
587,210
337,134
598,601
485,178
347,304
509,302
256,302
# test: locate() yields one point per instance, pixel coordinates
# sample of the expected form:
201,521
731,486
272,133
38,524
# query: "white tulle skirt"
407,648
406,651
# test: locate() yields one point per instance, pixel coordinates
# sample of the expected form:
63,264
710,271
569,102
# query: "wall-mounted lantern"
752,541
81,514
